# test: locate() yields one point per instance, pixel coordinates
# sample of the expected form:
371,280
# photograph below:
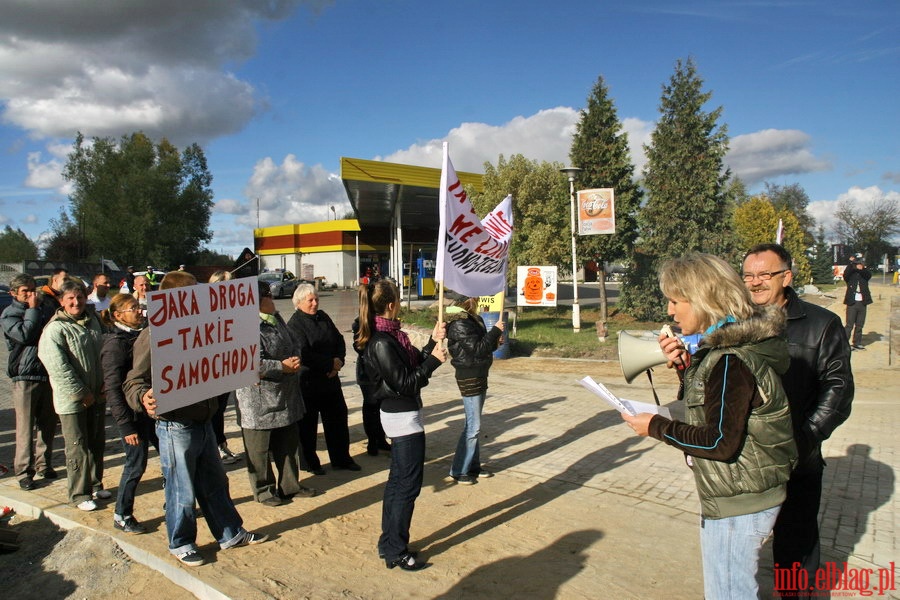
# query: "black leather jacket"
819,382
397,384
471,345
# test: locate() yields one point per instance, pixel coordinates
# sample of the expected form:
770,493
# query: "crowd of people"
767,383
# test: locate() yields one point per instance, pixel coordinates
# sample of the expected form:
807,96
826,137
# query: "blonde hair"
710,284
220,276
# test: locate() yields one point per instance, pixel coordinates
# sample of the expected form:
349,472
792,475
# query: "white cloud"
45,175
229,206
823,210
292,192
771,153
86,66
544,136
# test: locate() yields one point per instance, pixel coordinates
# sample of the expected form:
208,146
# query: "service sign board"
491,303
536,286
204,341
596,211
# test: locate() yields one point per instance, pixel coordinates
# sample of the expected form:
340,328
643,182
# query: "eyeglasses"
136,309
764,276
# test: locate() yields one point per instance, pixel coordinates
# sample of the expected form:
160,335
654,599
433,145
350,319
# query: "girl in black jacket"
397,372
125,320
472,348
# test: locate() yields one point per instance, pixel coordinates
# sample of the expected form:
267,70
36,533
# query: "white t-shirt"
97,302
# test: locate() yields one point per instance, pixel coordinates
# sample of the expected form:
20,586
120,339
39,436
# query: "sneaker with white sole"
87,505
190,558
228,457
251,538
102,495
466,479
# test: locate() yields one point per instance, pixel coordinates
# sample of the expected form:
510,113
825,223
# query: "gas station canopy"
380,191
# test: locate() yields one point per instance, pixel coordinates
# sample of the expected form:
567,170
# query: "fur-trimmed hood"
765,329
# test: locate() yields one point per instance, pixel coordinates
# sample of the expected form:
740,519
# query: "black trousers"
324,398
371,414
796,532
403,487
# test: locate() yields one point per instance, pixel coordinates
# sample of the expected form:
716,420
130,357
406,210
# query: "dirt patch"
53,563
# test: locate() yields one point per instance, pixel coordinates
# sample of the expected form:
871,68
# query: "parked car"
282,283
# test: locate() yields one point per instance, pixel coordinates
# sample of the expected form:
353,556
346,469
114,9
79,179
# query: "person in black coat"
371,408
125,320
398,372
472,348
857,298
322,351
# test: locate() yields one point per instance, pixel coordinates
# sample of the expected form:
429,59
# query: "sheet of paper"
632,407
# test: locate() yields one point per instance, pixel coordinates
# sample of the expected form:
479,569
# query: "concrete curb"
56,514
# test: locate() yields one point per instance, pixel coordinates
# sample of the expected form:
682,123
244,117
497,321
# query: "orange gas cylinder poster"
536,286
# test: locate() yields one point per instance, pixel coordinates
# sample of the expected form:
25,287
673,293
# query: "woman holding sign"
397,372
738,437
471,347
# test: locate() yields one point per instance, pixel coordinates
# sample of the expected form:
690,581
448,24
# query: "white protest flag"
472,254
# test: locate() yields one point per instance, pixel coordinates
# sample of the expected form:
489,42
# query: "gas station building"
395,230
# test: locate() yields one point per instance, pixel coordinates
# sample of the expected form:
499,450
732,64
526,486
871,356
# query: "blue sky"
276,91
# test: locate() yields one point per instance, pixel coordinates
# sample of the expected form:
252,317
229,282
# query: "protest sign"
204,341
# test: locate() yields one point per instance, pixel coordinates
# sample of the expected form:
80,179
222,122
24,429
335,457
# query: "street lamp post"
576,309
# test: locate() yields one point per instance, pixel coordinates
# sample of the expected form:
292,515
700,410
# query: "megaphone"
638,352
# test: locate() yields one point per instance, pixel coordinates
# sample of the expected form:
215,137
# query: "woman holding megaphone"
737,437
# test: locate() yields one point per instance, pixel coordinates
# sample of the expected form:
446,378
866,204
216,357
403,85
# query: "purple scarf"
392,328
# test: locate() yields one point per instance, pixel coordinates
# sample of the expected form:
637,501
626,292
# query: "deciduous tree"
540,209
868,227
15,246
140,202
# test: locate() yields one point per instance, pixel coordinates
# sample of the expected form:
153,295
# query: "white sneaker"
102,495
87,505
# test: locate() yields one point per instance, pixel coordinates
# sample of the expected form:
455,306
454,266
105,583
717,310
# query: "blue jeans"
730,549
135,465
467,460
193,470
403,487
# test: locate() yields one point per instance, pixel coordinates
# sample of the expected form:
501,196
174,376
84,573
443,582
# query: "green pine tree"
688,206
600,149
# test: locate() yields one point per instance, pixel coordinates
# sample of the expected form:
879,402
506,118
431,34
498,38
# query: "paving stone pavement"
559,452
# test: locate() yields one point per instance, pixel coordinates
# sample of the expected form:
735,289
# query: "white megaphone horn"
639,351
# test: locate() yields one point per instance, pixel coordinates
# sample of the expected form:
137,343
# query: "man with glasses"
23,321
819,387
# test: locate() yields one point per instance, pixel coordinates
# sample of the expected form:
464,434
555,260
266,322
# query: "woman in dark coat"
269,410
398,373
125,320
322,352
472,348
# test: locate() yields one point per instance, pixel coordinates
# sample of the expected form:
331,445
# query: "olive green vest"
756,480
